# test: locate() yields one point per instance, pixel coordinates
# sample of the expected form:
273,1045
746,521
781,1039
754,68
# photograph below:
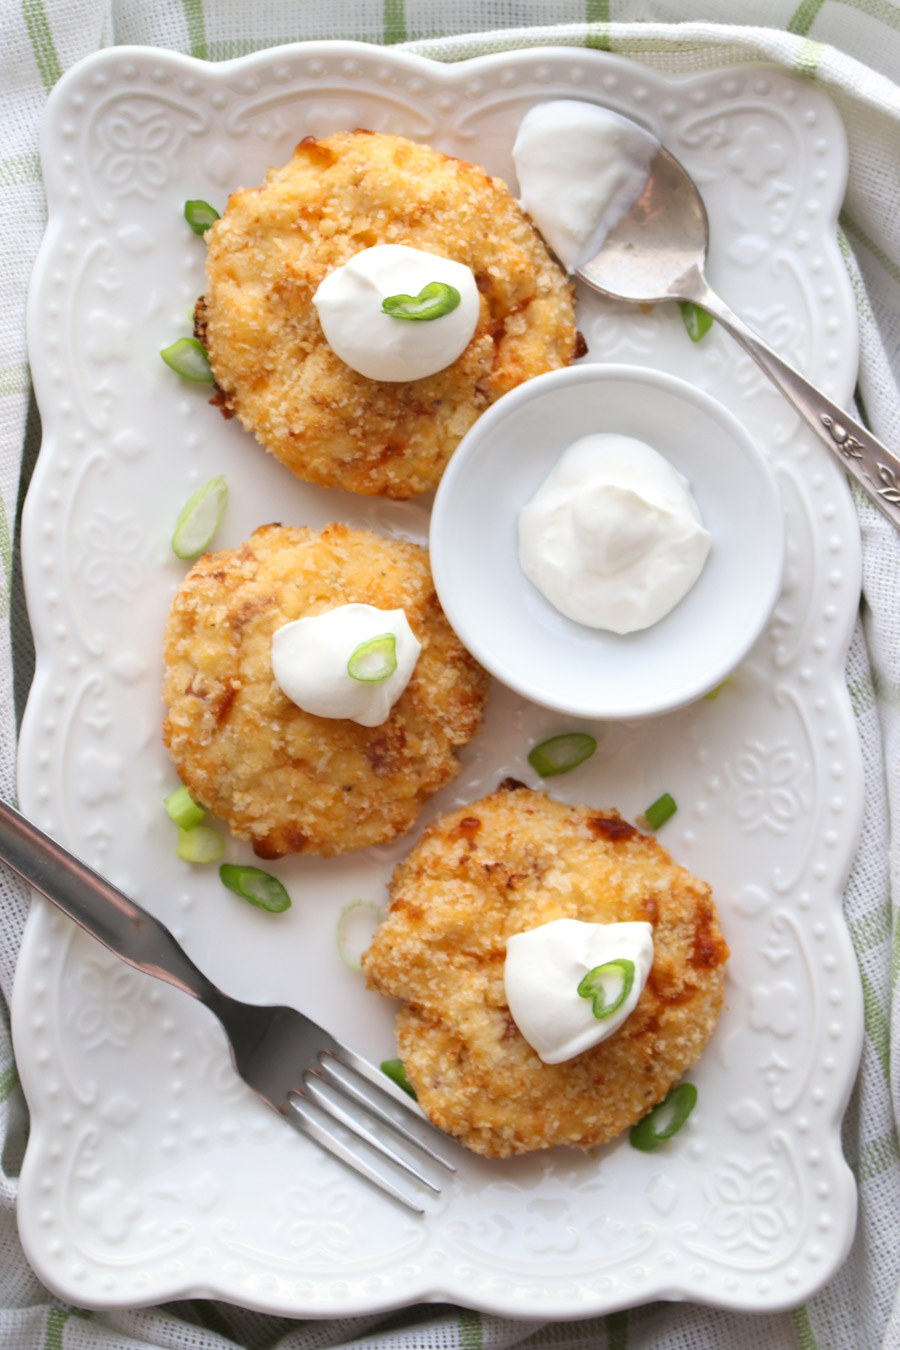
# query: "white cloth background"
851,48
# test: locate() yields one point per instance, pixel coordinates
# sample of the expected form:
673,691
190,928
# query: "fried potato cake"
510,862
286,780
274,369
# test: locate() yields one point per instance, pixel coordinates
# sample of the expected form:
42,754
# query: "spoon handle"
869,463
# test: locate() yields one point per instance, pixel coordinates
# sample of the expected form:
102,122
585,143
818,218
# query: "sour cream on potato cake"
503,865
287,780
274,368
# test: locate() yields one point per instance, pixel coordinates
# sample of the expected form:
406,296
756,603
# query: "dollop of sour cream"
378,345
581,169
544,967
310,656
613,537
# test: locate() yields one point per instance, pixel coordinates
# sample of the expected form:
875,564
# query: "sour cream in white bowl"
485,535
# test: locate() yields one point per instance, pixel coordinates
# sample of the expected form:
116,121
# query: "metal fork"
318,1085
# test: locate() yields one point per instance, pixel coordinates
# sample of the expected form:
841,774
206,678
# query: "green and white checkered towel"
852,49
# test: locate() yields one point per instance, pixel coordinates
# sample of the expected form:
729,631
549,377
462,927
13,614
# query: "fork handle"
99,907
869,463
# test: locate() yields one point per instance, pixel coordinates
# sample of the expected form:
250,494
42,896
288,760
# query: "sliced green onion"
432,301
714,693
183,809
561,753
393,1069
696,320
200,844
199,519
255,885
188,357
677,1106
356,928
200,215
374,660
593,985
660,811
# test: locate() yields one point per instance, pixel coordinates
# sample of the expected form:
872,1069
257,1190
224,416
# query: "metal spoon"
658,251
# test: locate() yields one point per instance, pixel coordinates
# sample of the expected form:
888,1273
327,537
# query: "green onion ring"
714,693
561,753
393,1069
258,887
350,950
696,320
660,811
432,302
188,357
200,844
374,660
681,1102
199,519
183,809
591,986
200,215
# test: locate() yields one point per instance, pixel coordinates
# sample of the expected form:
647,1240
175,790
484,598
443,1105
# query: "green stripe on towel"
877,1157
20,169
394,22
803,1329
877,1028
196,26
9,1079
36,22
804,17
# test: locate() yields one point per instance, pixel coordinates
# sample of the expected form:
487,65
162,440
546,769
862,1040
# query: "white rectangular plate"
152,1173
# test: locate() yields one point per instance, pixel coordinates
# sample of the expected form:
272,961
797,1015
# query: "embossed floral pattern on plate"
152,1172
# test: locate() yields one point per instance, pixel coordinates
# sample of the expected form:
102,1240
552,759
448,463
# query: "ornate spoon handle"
869,463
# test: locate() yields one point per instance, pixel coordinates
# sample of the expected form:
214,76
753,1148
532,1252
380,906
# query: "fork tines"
340,1105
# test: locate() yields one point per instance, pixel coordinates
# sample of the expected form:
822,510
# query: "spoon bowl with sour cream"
608,541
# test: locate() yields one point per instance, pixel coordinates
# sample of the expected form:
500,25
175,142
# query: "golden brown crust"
282,778
275,244
514,861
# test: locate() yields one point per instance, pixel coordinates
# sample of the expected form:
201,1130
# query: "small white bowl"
518,635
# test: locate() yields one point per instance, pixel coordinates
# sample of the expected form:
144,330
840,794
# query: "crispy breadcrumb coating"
286,780
510,862
275,243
